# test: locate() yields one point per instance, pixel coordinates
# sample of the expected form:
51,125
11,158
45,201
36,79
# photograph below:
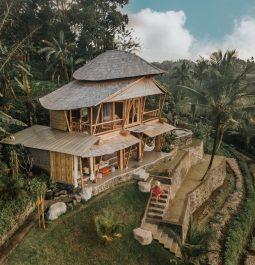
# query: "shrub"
242,223
107,226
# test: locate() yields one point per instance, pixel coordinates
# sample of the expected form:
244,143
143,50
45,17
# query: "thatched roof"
81,94
45,138
113,143
115,65
152,128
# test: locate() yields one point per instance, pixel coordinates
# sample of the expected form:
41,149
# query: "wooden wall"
61,167
41,158
58,120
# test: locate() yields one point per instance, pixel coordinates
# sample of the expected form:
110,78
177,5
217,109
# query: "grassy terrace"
72,238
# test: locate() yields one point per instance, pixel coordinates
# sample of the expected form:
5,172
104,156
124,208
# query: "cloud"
164,36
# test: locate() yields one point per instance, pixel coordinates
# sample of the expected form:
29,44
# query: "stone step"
153,199
168,244
158,234
163,239
174,247
156,209
151,227
178,253
158,205
155,215
162,196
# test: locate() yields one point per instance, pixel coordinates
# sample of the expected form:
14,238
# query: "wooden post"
81,174
91,165
71,120
158,143
113,115
91,120
121,159
67,122
139,151
98,114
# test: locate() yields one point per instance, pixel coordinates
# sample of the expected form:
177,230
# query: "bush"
242,223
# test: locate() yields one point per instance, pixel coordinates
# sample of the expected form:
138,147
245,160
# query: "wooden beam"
113,114
139,151
121,157
98,114
158,143
71,120
67,122
81,173
91,119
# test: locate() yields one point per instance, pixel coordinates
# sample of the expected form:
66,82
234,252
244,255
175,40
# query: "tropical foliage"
107,226
196,248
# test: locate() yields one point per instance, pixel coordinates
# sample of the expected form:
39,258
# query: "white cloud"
242,38
164,36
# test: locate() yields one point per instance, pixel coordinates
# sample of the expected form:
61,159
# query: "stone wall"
214,179
179,173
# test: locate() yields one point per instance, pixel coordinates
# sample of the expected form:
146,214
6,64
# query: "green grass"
72,240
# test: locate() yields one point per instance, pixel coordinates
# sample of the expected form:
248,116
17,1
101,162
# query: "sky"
178,29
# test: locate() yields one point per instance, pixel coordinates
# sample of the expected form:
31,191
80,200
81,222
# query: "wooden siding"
41,158
58,120
61,167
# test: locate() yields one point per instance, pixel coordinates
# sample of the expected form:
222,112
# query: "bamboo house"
109,114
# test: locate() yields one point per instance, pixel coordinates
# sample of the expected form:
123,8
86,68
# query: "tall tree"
225,92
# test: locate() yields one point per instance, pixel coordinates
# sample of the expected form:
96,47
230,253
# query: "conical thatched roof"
115,65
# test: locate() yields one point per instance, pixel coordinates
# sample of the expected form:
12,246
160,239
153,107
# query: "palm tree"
225,91
196,247
107,227
59,53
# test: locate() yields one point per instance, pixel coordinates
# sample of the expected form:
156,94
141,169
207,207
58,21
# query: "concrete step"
178,253
156,209
174,247
168,244
163,239
157,204
162,200
150,227
158,234
155,215
161,196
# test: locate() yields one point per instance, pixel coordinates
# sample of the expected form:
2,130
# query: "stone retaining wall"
214,179
194,155
20,219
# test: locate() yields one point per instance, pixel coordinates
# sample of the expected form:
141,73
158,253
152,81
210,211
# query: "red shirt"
157,190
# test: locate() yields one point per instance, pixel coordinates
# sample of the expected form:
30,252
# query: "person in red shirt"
157,190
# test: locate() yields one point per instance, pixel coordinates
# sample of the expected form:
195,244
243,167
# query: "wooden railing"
151,115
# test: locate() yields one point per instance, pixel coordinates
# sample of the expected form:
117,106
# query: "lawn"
72,240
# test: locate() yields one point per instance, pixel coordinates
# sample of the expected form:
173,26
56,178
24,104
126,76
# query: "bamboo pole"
81,173
91,120
67,122
98,114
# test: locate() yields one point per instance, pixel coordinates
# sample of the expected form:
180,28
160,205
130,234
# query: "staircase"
156,209
163,238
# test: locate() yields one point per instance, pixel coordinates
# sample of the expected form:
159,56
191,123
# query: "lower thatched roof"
45,138
152,128
112,144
